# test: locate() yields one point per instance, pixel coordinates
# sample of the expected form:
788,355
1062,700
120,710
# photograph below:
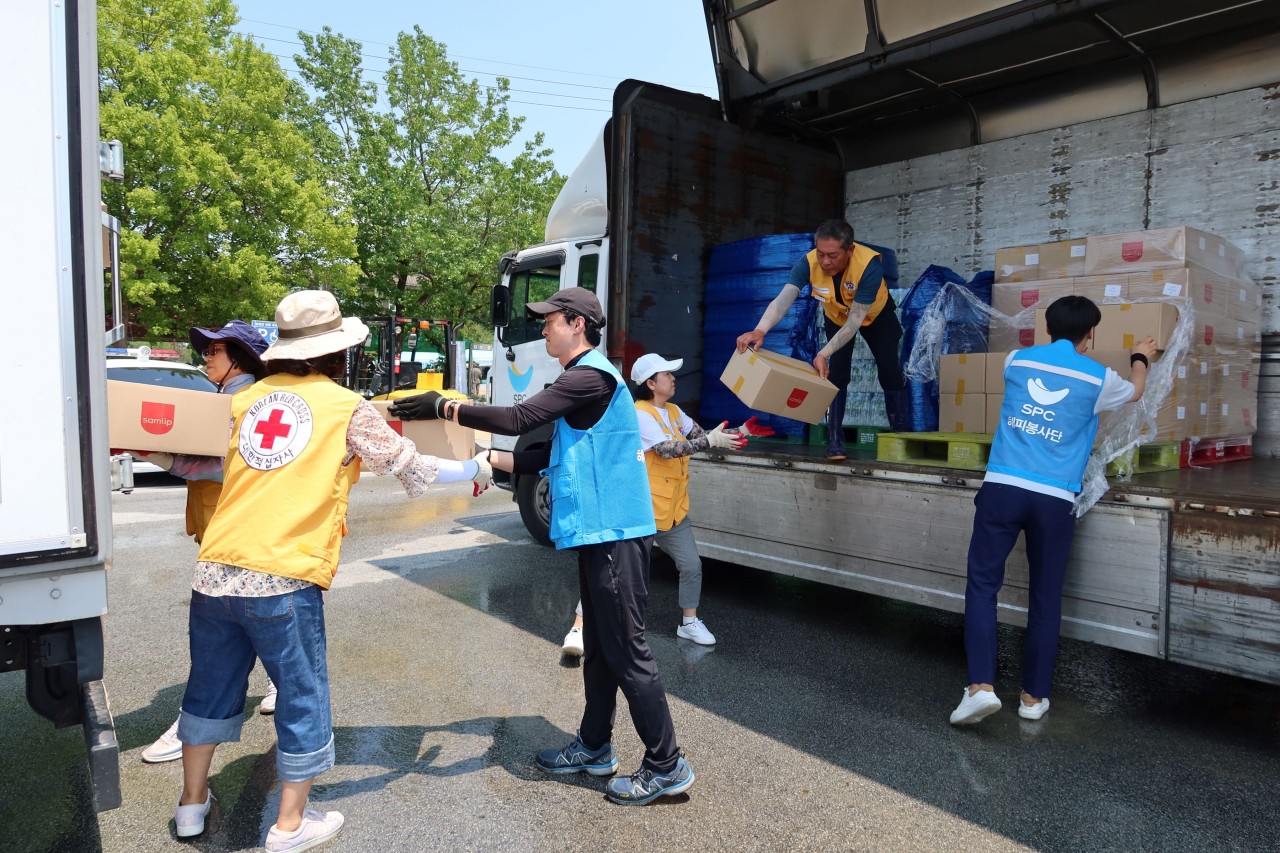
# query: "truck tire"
535,507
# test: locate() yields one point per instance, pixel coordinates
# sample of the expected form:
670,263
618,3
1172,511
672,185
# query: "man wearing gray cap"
600,507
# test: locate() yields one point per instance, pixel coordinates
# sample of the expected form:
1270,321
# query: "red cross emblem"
272,428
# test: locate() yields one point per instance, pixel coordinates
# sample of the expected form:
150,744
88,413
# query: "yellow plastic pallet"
1145,458
946,449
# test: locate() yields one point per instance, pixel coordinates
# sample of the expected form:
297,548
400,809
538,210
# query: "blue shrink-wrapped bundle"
743,277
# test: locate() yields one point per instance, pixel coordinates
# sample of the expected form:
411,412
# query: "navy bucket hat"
249,342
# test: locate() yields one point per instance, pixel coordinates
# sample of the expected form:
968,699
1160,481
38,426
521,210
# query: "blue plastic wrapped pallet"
743,277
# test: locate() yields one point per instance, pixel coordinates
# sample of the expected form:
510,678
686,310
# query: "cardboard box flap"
442,439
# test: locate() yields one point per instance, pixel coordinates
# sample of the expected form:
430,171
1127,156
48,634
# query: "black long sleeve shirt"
580,395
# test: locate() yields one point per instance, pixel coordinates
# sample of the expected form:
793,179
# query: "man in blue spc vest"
846,278
1052,398
600,506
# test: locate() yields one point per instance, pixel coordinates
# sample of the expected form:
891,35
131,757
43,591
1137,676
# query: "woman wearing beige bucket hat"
298,443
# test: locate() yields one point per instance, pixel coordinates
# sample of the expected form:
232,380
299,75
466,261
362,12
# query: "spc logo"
1044,396
156,418
519,381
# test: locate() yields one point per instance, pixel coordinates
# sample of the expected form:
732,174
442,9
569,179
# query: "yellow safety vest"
836,305
202,500
284,495
668,478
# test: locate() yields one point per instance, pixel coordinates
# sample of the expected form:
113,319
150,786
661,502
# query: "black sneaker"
645,786
576,758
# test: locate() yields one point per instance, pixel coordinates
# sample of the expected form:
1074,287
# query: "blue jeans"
286,632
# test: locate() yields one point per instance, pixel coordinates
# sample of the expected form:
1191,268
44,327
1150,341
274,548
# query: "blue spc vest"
1047,422
597,477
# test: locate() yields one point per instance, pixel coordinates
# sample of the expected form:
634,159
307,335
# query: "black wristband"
1136,357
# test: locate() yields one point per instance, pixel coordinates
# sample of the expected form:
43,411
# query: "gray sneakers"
645,786
576,758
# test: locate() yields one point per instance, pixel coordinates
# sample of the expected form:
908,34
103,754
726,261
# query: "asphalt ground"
818,722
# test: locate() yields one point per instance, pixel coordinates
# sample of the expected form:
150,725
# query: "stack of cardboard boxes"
1139,280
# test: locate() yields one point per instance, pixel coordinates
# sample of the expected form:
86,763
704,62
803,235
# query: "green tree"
419,165
224,207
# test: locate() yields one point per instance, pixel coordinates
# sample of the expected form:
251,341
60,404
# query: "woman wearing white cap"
298,442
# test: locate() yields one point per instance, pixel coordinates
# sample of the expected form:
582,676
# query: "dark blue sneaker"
576,758
645,786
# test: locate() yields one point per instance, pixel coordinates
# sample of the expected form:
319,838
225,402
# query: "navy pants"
1003,512
614,581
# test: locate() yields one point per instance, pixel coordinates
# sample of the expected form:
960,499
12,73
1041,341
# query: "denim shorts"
286,632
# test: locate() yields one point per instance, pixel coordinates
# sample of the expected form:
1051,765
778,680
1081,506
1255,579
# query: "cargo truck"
55,472
945,131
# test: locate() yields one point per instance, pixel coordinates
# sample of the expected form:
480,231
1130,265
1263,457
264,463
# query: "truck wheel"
534,499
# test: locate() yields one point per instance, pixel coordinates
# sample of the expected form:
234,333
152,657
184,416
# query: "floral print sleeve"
383,451
695,442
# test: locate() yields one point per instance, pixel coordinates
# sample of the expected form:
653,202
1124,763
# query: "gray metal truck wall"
684,181
910,540
1212,163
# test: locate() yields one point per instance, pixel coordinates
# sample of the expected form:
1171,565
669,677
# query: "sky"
563,57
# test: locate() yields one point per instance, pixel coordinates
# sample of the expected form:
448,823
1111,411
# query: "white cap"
650,364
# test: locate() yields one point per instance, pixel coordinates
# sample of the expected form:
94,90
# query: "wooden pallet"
945,449
1214,451
1145,458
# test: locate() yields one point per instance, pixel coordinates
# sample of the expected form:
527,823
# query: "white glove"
157,458
484,473
725,441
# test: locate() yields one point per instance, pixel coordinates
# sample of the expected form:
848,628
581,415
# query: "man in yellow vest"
298,441
846,278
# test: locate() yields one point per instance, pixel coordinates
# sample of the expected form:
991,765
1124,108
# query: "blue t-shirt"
868,285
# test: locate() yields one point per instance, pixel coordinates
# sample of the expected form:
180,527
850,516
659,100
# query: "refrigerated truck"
944,130
55,472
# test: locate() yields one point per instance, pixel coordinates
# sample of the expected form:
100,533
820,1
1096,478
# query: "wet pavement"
819,722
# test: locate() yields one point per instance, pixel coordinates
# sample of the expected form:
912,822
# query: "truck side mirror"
500,306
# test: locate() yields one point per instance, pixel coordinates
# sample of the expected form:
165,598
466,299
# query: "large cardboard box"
1138,251
442,439
171,420
962,373
773,383
1102,289
1018,263
1011,298
1005,338
1123,325
962,412
1063,259
994,402
995,373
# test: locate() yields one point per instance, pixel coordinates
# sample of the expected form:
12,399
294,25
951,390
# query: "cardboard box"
1018,263
442,439
1063,259
995,373
994,402
1122,325
1138,251
962,412
962,373
1011,298
1210,293
172,420
1006,338
773,383
1102,289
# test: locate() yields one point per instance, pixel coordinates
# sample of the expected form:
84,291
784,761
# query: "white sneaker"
317,828
166,748
697,632
189,820
1033,712
573,643
975,708
268,703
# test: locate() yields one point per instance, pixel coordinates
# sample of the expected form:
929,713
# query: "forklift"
374,368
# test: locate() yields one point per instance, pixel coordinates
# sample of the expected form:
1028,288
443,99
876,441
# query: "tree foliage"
417,163
225,207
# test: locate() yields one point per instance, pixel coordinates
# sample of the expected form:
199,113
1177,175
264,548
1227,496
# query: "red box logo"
1208,292
796,398
1030,297
1027,337
1131,251
156,418
1208,336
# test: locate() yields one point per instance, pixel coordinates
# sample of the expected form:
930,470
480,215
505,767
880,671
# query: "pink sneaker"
189,820
317,828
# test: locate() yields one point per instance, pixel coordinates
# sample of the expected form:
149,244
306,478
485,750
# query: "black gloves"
420,407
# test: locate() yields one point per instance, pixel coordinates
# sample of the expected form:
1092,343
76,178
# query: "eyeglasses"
213,349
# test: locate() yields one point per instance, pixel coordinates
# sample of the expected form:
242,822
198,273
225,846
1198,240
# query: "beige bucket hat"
311,325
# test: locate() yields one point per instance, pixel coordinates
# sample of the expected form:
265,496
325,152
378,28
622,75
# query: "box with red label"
1101,289
773,383
1018,263
1011,298
1139,251
962,373
1006,338
1124,325
169,420
962,412
442,439
1063,259
1210,293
